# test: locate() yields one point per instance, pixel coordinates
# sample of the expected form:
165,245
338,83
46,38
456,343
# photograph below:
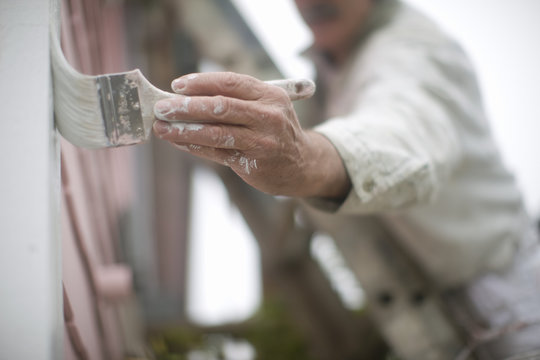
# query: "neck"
336,58
338,55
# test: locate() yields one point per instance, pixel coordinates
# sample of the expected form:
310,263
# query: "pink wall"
96,193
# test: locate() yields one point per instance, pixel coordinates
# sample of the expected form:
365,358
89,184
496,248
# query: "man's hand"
250,126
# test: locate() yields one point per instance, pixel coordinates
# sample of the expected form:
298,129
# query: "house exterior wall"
96,198
30,287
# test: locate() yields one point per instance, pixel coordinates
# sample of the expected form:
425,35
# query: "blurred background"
168,257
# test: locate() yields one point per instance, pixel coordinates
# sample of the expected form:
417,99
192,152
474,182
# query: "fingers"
207,135
229,98
202,108
238,161
240,86
206,109
227,84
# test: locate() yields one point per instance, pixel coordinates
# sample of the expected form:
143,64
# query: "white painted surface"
30,286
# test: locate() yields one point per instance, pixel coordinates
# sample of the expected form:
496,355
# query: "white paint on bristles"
76,103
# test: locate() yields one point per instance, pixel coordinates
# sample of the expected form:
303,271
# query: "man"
404,137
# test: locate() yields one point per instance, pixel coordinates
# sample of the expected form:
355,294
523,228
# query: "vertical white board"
30,279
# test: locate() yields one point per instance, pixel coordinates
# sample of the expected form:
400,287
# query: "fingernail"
162,108
162,127
178,85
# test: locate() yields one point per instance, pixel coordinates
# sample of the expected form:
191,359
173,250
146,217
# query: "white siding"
30,279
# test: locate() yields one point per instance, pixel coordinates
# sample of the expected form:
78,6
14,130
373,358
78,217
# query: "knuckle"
267,143
226,140
221,106
220,137
278,93
230,81
274,114
215,134
258,143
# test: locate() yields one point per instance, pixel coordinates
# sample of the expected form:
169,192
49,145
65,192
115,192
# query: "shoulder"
395,21
407,46
405,34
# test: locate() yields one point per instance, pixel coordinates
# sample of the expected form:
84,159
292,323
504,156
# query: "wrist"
325,174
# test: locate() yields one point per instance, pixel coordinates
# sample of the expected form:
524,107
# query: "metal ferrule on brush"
121,109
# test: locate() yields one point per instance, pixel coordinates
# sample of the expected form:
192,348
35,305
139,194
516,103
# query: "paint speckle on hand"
229,141
194,127
218,107
184,106
164,108
181,147
247,164
182,126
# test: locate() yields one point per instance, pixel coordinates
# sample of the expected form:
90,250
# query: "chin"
325,43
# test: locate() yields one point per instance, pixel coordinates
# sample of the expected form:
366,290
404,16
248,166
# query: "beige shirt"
406,116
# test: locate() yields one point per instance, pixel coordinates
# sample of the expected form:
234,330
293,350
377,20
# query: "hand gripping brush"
116,109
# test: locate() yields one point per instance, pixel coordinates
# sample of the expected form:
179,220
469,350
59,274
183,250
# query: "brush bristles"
76,103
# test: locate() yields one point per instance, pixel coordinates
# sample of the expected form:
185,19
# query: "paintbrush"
116,109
